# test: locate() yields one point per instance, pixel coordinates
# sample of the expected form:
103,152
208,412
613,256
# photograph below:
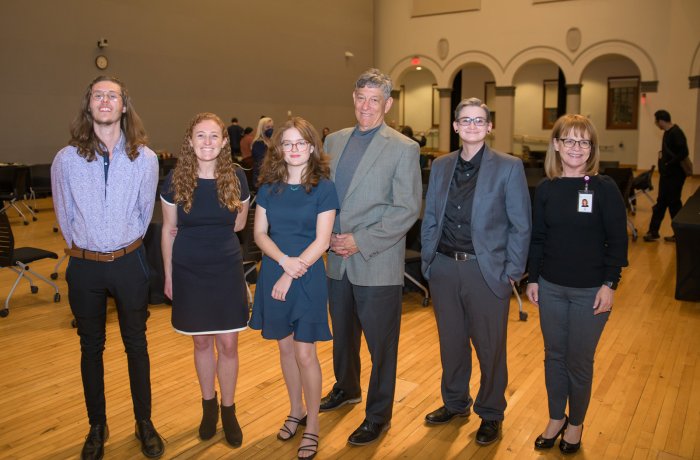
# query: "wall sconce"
348,55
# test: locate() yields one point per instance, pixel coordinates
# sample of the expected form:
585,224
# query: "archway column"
573,98
505,110
445,119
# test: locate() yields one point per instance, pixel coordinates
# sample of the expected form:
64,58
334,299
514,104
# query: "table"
686,227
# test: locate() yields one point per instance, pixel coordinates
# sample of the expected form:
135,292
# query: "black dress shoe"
570,448
151,443
337,398
444,415
94,447
649,237
670,239
489,432
367,433
547,443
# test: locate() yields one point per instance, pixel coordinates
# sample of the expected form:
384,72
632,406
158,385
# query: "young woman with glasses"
296,206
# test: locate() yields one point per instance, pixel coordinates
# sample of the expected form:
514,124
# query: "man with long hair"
104,184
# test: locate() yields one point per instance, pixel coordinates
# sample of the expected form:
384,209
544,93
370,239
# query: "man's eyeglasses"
300,145
585,144
477,121
100,96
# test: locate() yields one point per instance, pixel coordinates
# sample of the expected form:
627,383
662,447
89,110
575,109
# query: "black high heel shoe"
570,448
547,443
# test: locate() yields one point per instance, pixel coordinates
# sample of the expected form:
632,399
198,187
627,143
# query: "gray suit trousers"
376,311
466,309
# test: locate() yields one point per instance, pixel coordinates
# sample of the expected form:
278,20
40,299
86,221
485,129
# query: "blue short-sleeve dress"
291,215
209,294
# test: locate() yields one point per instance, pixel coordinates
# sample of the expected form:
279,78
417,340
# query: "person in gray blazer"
475,236
377,176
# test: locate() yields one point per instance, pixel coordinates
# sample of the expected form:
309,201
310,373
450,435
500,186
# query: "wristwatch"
611,284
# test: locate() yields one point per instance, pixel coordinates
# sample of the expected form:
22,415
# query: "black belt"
458,255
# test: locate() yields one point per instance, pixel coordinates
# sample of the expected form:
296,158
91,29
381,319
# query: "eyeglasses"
585,144
300,145
477,121
100,96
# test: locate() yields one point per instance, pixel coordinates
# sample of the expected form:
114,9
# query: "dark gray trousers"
376,311
466,309
571,332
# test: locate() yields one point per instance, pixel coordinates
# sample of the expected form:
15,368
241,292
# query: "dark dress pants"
571,333
126,279
466,309
670,188
376,311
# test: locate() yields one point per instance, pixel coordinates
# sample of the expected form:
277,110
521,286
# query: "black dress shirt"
456,229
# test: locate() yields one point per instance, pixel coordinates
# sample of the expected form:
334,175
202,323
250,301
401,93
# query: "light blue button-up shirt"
104,215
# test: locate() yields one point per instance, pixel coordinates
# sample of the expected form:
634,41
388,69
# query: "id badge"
585,201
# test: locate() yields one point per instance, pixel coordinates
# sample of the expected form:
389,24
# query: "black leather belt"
459,256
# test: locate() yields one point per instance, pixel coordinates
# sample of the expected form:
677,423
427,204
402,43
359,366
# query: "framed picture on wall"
623,103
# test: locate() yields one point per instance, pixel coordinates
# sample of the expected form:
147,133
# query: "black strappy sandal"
310,448
286,429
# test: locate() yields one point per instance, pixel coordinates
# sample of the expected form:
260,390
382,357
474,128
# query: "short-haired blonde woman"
577,251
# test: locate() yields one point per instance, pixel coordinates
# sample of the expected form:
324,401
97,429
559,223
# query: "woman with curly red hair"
206,198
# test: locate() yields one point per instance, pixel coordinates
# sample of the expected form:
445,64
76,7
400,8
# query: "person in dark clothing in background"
674,149
235,133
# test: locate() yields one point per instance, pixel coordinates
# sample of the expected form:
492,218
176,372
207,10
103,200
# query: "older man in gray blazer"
377,175
475,237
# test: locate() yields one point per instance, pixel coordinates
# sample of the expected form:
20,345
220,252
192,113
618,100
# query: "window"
623,103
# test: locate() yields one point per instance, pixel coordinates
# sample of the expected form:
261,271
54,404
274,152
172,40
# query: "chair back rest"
40,176
623,177
21,184
643,181
7,241
249,250
7,180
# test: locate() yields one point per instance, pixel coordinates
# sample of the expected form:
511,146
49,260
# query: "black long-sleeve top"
674,148
572,248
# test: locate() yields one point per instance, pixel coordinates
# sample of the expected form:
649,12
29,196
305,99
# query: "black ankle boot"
232,430
210,417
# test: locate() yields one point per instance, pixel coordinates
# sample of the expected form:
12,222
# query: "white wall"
418,93
178,58
662,38
615,144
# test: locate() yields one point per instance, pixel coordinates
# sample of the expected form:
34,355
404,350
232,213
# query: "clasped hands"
343,244
294,266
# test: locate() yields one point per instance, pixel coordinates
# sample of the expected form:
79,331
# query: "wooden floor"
645,403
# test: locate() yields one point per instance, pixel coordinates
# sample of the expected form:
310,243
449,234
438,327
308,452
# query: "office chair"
624,177
18,260
641,184
39,183
251,254
8,191
412,258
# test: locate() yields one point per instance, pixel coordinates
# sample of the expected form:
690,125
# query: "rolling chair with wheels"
624,179
39,183
8,191
250,252
18,260
641,184
412,261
